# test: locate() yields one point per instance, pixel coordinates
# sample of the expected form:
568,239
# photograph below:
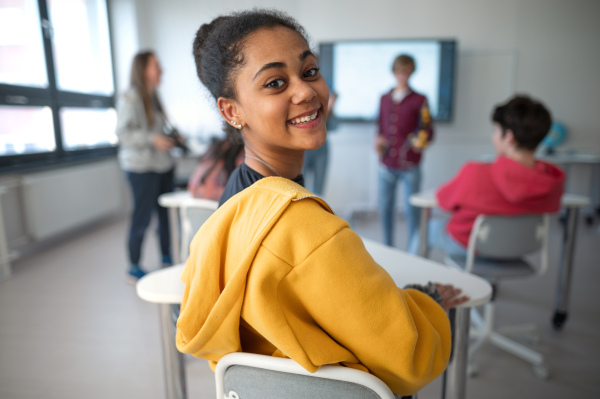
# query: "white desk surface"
181,198
426,199
162,286
165,286
562,157
566,158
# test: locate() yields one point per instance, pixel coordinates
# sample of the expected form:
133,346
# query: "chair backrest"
509,237
251,376
193,212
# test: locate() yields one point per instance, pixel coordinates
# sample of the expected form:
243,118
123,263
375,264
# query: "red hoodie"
504,187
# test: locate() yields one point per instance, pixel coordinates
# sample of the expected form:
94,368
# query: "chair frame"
484,328
475,233
186,226
290,366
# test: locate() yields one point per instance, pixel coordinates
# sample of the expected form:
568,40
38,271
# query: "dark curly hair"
219,49
528,119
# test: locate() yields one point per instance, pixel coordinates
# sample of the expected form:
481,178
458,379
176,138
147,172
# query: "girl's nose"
303,92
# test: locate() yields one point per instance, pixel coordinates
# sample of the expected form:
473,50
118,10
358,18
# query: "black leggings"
146,188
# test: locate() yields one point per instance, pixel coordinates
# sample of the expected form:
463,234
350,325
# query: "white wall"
545,48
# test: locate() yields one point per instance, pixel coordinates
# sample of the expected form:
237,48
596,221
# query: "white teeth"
304,119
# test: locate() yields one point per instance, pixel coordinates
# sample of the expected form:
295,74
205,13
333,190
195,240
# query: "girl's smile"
306,120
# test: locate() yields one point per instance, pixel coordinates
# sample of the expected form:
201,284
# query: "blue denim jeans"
438,238
388,181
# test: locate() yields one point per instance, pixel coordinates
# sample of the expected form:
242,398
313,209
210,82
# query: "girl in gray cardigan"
144,155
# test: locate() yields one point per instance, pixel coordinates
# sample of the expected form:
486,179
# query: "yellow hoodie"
275,272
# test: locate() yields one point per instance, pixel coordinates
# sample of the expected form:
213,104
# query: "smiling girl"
274,271
278,106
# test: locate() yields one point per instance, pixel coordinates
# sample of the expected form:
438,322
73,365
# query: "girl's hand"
450,296
163,143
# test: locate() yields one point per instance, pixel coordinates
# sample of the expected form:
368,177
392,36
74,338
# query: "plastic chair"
193,212
497,246
251,376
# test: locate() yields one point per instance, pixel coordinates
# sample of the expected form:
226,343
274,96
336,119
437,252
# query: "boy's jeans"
438,238
388,180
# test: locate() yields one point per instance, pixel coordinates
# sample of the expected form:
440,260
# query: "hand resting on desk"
446,295
450,296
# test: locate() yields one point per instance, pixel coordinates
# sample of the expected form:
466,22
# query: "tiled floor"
70,327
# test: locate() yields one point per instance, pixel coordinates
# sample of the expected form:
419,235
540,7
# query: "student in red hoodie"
515,183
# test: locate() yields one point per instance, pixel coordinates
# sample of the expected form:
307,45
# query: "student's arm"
401,336
381,142
423,135
130,128
380,120
449,196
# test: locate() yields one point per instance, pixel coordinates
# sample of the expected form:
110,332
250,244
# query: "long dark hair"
137,80
219,49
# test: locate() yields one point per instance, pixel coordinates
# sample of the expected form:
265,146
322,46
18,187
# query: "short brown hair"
528,119
404,60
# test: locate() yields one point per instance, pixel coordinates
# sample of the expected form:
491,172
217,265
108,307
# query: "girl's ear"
229,110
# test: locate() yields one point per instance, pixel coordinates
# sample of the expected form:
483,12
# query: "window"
56,82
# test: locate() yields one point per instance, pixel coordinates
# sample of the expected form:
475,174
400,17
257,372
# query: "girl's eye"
311,73
275,84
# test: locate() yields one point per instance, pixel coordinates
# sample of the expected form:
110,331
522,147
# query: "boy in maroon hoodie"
515,183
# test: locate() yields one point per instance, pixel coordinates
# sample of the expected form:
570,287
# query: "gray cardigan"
136,149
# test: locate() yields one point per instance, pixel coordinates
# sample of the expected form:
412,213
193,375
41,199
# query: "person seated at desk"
515,183
214,168
273,271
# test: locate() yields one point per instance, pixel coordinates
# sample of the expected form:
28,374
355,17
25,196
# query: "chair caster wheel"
541,372
589,220
559,320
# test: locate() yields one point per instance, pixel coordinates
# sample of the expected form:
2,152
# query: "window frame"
51,96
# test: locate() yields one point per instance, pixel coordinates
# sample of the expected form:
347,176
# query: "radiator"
61,199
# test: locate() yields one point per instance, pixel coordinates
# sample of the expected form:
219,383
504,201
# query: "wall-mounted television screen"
360,72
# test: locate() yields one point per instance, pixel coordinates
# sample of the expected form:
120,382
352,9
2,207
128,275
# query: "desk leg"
455,377
173,359
423,231
174,227
4,251
566,269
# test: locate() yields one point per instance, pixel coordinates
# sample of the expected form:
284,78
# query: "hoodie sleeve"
400,336
450,194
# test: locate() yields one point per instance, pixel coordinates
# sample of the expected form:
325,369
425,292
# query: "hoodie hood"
213,296
522,185
275,272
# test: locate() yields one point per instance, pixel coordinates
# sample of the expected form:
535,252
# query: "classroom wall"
545,48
